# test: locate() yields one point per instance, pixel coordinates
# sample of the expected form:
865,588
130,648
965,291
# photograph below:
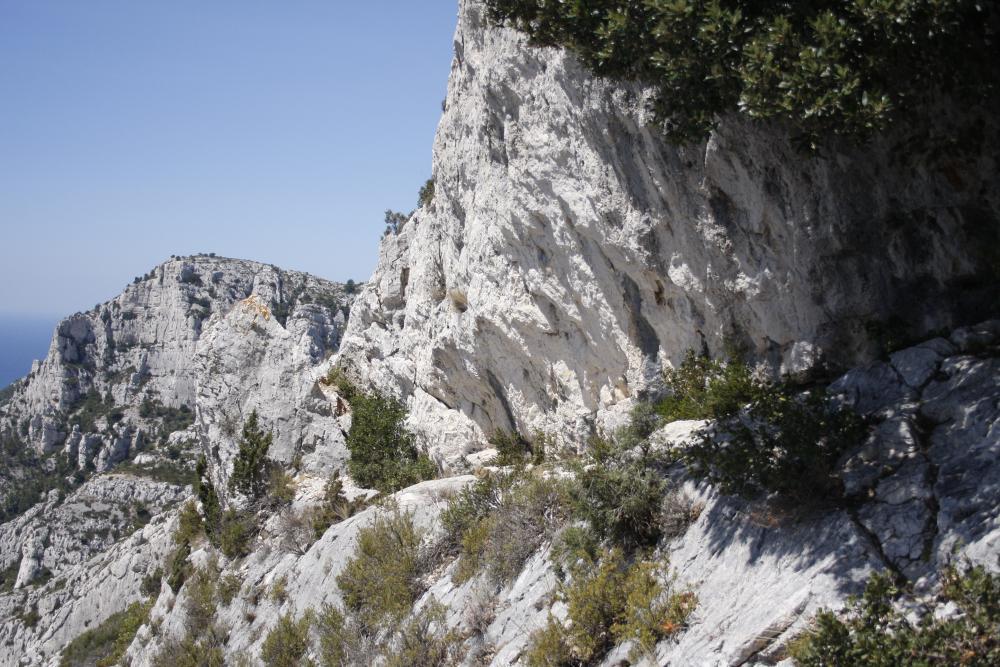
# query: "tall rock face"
570,253
113,373
147,382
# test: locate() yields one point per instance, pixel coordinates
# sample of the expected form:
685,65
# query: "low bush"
334,508
621,503
417,643
874,632
784,445
342,643
704,388
610,601
500,521
229,588
236,532
105,645
765,438
287,642
383,454
381,580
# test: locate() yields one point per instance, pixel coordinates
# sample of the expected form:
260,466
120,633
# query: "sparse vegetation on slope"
105,645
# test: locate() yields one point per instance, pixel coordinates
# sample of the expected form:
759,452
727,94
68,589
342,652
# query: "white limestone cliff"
570,253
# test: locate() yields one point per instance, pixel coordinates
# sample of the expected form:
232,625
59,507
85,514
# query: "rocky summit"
606,400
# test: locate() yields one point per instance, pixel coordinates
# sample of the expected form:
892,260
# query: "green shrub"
383,455
609,602
342,643
874,633
846,68
251,468
548,647
235,533
279,590
287,642
179,568
210,504
151,583
511,448
199,604
337,379
426,194
30,617
499,522
105,645
281,487
381,581
334,508
229,588
189,524
786,445
418,644
704,388
621,503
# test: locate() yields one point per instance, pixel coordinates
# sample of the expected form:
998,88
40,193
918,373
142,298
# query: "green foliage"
287,642
335,506
426,195
251,468
337,379
621,502
105,645
383,455
27,476
511,448
549,647
229,588
704,388
786,445
172,419
189,524
236,530
279,590
341,642
610,601
88,410
500,521
179,568
281,487
848,68
151,583
381,581
210,504
30,616
874,633
418,644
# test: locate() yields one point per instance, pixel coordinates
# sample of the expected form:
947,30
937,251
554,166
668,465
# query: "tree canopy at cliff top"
827,67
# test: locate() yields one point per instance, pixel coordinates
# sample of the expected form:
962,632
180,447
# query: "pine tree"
251,467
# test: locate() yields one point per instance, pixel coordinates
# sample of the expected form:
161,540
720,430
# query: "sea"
23,338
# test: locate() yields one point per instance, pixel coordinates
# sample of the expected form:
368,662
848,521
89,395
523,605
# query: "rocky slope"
570,253
113,419
568,256
922,490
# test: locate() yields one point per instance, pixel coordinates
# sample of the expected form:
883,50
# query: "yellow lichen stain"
254,305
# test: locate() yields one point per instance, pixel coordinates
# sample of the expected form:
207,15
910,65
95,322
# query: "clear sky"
271,130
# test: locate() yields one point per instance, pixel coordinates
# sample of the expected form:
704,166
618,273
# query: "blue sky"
276,131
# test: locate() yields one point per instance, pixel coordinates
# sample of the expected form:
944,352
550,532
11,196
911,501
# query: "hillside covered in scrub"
688,356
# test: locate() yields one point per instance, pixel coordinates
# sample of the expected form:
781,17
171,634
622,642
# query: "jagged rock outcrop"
248,362
570,252
141,346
